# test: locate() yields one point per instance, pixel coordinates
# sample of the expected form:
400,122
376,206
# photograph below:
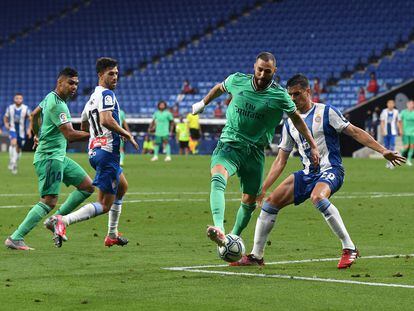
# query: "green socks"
122,158
410,154
35,215
168,150
217,201
243,217
73,201
156,150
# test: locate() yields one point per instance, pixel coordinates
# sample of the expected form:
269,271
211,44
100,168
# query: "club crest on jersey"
63,118
108,100
318,119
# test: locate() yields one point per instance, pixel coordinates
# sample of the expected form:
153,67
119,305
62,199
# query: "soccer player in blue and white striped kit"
15,121
317,183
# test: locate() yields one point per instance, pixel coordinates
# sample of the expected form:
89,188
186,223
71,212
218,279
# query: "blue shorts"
107,170
389,142
20,140
304,184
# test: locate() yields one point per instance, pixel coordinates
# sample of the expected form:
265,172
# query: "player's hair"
162,102
68,72
298,79
18,94
104,63
266,56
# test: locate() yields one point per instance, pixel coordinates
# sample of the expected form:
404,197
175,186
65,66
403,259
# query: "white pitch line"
372,196
200,269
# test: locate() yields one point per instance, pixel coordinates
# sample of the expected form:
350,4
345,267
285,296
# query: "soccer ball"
233,250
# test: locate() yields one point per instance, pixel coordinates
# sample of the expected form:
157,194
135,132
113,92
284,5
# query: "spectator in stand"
218,112
389,127
361,96
316,98
148,146
317,86
175,110
373,86
185,90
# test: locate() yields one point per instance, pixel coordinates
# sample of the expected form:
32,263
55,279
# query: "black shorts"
183,144
194,134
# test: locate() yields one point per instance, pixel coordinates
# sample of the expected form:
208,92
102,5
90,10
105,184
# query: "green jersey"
162,122
252,115
122,117
183,132
52,143
407,118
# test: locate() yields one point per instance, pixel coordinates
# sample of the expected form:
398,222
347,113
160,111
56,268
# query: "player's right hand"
394,157
198,107
134,143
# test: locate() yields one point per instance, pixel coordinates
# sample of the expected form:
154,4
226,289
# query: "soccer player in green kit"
50,161
406,127
163,122
256,109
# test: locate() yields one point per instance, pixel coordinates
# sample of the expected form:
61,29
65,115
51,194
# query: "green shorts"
408,140
247,162
52,173
160,139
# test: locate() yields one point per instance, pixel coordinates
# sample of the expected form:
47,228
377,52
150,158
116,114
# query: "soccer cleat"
216,235
59,230
49,224
248,260
154,158
119,240
167,159
14,169
409,163
348,257
17,245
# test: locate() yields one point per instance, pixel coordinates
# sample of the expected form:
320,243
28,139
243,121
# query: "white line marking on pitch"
372,195
201,269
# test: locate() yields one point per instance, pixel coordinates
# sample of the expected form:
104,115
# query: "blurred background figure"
389,127
183,135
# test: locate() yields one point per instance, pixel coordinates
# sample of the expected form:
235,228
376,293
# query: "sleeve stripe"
224,86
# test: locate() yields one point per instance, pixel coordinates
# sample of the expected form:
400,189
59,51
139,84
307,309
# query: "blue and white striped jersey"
102,99
18,117
325,123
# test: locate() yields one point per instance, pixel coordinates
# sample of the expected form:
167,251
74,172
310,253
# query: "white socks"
264,225
13,155
334,220
84,213
113,218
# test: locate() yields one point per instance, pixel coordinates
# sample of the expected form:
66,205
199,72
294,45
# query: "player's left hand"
315,157
198,107
35,142
394,157
29,134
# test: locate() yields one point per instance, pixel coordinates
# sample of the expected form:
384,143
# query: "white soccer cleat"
154,158
167,159
389,165
409,163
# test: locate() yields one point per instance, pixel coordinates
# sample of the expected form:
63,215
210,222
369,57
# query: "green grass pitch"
165,216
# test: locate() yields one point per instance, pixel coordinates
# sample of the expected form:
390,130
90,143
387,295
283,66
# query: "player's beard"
262,83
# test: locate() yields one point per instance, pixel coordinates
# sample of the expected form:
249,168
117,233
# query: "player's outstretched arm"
34,124
303,129
276,170
107,120
367,140
71,134
215,92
